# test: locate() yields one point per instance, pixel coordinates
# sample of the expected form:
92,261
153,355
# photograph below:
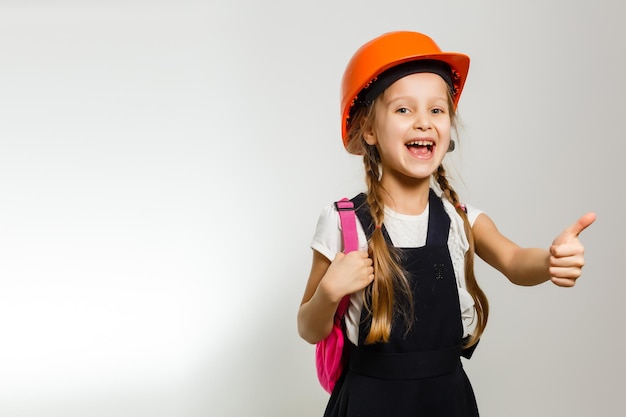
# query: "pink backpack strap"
347,217
345,208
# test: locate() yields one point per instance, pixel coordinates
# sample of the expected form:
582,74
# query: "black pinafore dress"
419,372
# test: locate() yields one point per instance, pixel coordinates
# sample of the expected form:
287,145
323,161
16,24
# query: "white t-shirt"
405,231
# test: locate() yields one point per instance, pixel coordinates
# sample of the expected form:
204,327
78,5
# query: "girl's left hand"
566,253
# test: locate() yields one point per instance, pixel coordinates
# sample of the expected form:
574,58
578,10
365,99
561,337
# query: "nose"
422,121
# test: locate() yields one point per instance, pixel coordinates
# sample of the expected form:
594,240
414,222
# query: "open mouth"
421,148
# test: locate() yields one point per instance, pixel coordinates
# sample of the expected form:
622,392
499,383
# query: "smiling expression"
412,127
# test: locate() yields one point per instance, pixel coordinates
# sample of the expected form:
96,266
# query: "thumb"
339,256
575,229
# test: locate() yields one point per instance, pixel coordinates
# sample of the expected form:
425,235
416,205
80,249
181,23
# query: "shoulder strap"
438,221
345,208
365,217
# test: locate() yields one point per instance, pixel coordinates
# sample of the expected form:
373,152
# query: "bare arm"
522,266
562,263
328,283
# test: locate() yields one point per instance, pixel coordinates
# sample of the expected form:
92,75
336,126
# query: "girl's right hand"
347,274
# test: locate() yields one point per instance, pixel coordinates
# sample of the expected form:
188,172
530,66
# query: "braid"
390,279
480,299
389,274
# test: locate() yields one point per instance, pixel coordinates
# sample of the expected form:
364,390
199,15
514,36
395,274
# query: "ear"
369,136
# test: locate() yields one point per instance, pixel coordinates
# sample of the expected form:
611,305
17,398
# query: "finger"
365,280
567,262
581,224
563,282
565,272
367,273
363,255
567,249
358,254
339,256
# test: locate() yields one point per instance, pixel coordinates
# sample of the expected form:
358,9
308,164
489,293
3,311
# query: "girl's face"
412,126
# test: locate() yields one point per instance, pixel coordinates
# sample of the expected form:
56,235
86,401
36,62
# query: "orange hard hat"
388,51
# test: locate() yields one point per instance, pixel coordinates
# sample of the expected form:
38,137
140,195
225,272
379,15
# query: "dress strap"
365,217
438,222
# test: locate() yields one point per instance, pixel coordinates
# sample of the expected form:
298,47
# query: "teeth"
421,143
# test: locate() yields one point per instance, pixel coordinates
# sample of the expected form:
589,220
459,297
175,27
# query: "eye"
402,110
437,111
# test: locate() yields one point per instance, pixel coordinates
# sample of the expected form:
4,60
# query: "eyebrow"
411,98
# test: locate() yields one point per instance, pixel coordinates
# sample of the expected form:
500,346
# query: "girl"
415,306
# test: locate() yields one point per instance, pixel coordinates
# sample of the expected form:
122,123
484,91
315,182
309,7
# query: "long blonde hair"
391,279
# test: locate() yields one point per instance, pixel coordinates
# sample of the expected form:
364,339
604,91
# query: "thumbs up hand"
566,253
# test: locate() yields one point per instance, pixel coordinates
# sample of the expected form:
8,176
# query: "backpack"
330,353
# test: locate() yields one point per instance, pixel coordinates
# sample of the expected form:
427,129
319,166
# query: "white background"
163,164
